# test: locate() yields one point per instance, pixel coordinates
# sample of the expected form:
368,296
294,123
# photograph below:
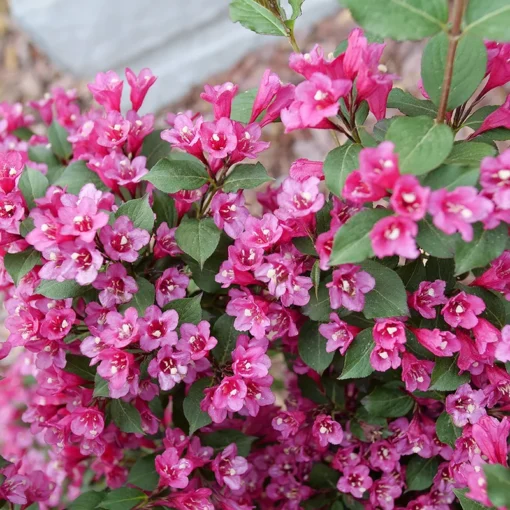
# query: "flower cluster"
169,347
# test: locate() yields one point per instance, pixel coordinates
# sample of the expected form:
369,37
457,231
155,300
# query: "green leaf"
143,474
220,439
198,238
195,416
400,19
412,274
87,501
163,206
498,484
467,503
485,247
255,17
155,148
475,120
315,275
420,473
173,175
188,309
469,153
242,105
139,212
126,416
498,134
441,269
143,298
312,347
352,241
319,307
101,387
76,175
490,20
410,105
435,241
80,365
60,290
19,264
323,476
246,177
224,331
468,69
445,376
310,390
32,184
296,8
339,163
388,402
496,304
446,431
124,498
23,133
452,176
388,298
42,154
422,145
57,136
357,358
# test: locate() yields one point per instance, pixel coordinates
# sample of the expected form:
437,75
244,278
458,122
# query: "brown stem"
454,36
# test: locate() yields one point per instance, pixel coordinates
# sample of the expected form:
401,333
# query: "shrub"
345,348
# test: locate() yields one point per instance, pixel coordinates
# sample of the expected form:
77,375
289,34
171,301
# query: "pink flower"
123,171
359,190
245,258
12,211
115,366
107,90
185,134
230,394
258,394
384,456
218,138
249,313
81,262
57,323
121,330
497,277
498,118
157,328
454,211
113,130
428,295
197,339
165,242
503,347
248,143
395,235
140,85
379,165
495,177
384,492
349,286
462,310
298,199
498,67
416,373
228,468
171,285
466,405
123,240
409,198
261,233
389,332
384,358
87,422
169,367
338,333
82,220
491,437
269,87
173,470
302,169
318,98
115,285
288,422
355,480
220,96
250,361
441,343
326,430
229,213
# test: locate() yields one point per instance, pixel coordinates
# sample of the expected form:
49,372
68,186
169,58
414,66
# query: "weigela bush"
344,344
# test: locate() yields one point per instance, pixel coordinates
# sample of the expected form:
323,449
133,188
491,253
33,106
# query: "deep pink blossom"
115,285
197,339
349,286
172,469
355,480
462,310
302,169
428,295
229,213
455,211
440,343
157,328
465,405
123,240
300,198
338,333
261,233
171,285
218,138
140,85
491,437
359,190
395,235
107,90
327,430
228,467
416,373
379,165
409,198
169,367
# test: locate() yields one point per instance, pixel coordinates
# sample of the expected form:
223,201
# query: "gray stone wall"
182,41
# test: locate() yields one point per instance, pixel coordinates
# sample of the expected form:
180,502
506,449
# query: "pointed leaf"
198,238
246,177
357,358
19,264
195,416
255,17
139,212
312,347
126,416
32,184
339,163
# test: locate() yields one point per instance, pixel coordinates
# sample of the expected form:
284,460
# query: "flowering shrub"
343,348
